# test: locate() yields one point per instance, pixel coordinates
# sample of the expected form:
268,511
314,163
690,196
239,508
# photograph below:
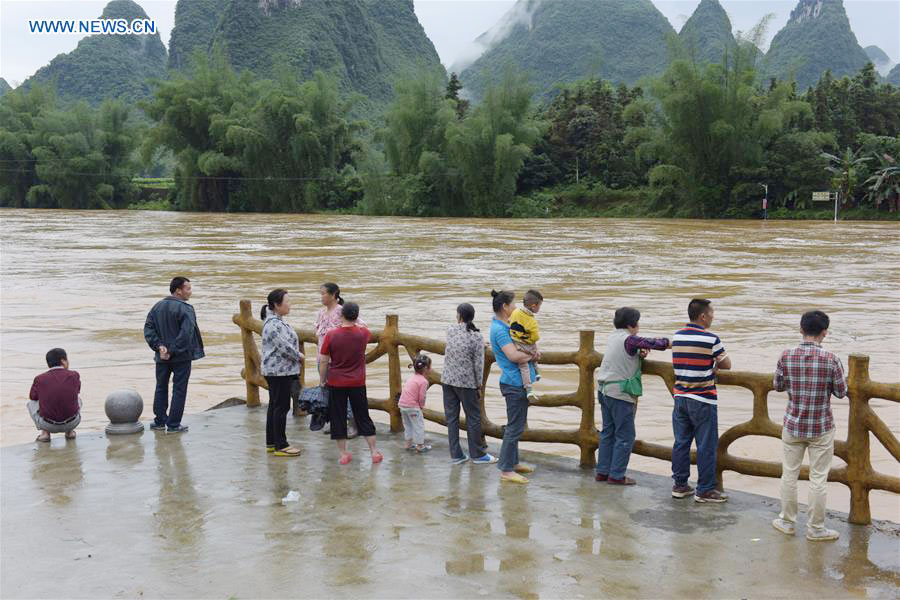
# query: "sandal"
288,451
42,438
70,435
377,457
345,458
513,478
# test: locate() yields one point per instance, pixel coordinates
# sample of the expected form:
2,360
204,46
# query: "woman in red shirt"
342,368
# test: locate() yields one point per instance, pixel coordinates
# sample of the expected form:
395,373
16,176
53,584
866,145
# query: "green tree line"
699,141
77,157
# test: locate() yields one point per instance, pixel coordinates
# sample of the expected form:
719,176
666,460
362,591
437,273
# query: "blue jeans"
616,437
695,420
516,417
180,372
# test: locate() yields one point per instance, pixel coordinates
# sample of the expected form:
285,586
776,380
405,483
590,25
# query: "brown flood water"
85,280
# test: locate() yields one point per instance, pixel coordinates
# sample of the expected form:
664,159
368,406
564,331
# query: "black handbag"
314,400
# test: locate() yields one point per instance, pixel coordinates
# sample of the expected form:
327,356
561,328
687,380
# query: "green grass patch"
157,204
154,183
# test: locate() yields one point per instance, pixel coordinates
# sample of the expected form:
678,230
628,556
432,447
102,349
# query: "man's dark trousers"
180,372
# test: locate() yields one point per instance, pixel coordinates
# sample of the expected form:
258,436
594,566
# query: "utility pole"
765,202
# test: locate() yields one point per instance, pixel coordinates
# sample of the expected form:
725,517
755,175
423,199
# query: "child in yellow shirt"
523,327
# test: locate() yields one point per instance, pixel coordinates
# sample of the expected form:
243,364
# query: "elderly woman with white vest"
619,383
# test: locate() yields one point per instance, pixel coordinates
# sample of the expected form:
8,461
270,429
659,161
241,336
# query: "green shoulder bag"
632,385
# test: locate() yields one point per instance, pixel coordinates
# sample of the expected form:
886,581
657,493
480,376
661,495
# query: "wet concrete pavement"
200,515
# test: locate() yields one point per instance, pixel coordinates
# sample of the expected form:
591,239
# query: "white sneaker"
821,534
785,527
459,461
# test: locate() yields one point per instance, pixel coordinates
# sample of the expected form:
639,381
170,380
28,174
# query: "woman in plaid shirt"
810,375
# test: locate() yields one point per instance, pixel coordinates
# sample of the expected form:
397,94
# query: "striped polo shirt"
694,353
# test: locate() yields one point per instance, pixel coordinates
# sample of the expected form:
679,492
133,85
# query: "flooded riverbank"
85,280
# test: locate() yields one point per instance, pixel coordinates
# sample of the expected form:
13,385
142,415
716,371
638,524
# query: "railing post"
295,405
587,432
251,354
859,466
395,382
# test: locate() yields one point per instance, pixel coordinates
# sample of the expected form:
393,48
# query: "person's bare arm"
324,360
778,380
724,364
478,363
514,354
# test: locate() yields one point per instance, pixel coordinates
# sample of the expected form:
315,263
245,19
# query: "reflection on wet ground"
84,280
200,515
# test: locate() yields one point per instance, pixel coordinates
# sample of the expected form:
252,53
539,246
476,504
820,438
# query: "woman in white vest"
619,384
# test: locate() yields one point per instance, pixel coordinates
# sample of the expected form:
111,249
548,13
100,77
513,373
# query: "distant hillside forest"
700,140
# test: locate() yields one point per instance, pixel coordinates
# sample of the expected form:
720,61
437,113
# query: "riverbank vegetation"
702,140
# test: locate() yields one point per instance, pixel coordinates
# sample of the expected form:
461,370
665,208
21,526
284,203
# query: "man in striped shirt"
810,375
696,354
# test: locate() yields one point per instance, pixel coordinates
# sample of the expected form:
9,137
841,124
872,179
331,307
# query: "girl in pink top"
411,403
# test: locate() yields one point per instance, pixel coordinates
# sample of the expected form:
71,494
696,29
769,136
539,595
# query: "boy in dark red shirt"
54,404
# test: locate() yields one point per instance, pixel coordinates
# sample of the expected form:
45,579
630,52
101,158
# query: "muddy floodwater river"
85,280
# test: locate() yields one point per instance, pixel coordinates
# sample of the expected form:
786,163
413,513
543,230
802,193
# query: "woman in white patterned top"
461,381
280,366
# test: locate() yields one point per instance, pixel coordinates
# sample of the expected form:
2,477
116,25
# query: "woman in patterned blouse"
461,381
281,358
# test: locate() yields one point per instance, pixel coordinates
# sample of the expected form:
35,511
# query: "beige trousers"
524,370
820,449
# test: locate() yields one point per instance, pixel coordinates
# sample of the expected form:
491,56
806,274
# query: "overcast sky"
451,24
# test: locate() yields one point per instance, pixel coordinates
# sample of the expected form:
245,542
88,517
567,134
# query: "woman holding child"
512,387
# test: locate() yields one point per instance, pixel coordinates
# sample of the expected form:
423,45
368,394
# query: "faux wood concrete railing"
858,473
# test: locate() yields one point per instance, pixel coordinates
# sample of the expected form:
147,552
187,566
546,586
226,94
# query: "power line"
198,178
33,160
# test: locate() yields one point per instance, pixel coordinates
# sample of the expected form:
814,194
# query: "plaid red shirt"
810,375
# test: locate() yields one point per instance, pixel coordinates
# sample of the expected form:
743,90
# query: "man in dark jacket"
171,332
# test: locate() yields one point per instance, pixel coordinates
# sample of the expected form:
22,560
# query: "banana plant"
846,170
884,184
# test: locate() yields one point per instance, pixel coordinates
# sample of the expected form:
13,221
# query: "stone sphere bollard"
124,408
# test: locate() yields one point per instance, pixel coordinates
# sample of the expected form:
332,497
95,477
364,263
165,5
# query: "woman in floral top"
281,358
329,318
461,381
